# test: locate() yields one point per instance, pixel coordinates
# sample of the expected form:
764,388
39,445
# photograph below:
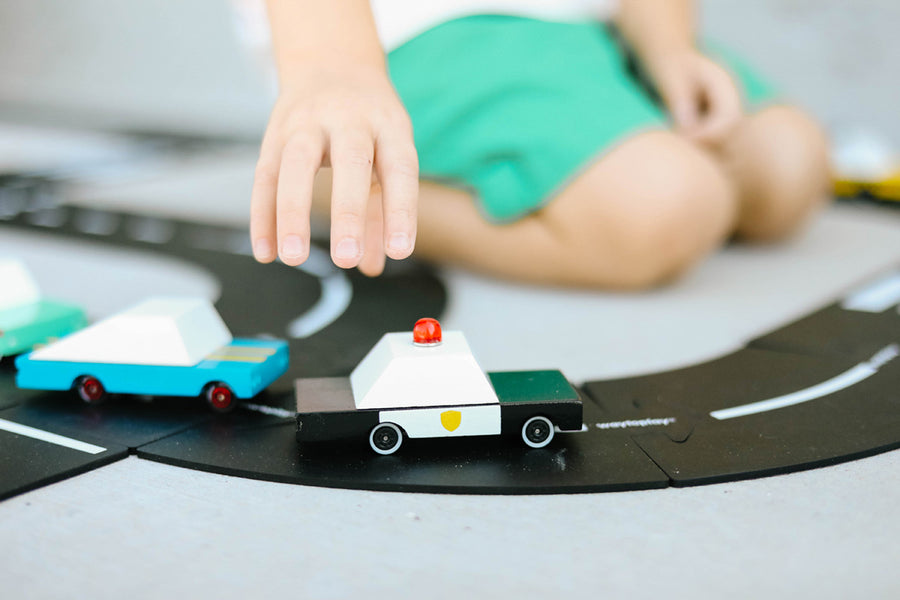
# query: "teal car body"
24,327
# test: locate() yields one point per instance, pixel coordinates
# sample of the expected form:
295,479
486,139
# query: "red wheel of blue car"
89,389
220,397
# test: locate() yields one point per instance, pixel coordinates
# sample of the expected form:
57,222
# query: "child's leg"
641,214
646,211
778,161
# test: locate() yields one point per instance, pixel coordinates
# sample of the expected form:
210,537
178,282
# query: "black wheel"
89,389
385,438
537,432
220,397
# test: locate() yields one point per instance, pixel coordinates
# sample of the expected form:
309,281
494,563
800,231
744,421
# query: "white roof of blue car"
159,331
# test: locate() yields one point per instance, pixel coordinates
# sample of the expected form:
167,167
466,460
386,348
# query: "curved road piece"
818,391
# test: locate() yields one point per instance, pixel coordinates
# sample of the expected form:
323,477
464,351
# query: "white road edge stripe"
46,436
846,379
336,292
875,297
336,295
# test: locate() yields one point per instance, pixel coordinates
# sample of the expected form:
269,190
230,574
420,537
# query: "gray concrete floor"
840,59
144,530
138,529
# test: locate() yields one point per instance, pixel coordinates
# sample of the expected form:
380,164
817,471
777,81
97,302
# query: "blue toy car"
159,348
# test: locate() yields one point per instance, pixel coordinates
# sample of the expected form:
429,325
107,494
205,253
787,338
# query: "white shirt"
399,21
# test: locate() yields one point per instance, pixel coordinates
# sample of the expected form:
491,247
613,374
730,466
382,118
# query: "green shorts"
513,108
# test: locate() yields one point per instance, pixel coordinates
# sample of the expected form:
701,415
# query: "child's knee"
651,211
788,154
695,214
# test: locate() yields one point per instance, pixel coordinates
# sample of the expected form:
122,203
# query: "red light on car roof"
427,332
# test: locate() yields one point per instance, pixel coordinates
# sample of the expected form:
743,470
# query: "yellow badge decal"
451,419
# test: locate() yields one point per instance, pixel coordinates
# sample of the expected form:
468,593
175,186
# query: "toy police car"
428,385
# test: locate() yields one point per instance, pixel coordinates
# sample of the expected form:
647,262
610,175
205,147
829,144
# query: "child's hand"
701,96
349,118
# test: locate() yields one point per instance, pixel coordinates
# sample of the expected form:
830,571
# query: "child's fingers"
300,159
680,97
262,206
352,154
372,262
723,104
397,166
685,113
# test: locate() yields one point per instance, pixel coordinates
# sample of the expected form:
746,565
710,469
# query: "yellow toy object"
866,166
886,189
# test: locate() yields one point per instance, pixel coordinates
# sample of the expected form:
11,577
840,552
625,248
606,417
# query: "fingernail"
398,242
262,248
292,246
347,248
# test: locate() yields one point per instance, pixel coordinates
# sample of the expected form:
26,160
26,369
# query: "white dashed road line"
273,411
636,423
846,379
